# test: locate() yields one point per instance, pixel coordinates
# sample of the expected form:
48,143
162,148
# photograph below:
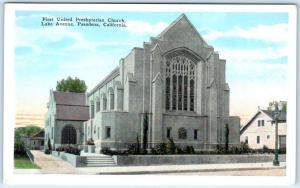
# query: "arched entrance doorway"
68,135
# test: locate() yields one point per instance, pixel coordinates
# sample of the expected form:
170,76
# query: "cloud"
267,33
141,27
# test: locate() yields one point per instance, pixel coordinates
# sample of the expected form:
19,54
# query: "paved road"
52,165
265,172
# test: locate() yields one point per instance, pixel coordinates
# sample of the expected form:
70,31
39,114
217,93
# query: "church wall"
190,123
60,124
124,129
146,78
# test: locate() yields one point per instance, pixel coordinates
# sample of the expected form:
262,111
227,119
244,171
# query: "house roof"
38,135
269,113
69,98
75,113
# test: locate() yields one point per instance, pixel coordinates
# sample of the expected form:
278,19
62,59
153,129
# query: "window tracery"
180,83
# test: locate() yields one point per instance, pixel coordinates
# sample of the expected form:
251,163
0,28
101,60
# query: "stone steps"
98,161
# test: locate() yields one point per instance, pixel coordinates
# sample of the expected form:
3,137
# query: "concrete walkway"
52,165
179,168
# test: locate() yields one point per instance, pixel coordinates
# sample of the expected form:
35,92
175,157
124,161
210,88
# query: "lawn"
24,162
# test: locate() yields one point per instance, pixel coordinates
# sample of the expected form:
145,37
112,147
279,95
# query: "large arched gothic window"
180,83
68,135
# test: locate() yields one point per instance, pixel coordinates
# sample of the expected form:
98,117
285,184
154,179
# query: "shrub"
265,149
133,149
170,147
189,150
220,149
159,149
245,148
107,151
69,149
47,151
19,149
282,151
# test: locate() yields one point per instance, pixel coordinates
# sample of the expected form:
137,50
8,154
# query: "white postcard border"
65,179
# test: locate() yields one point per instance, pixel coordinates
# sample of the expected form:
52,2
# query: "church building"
174,86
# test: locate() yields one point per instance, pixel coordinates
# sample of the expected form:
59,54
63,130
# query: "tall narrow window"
258,139
185,93
195,134
168,93
180,92
112,101
192,95
104,103
169,132
107,132
262,123
174,101
258,123
97,106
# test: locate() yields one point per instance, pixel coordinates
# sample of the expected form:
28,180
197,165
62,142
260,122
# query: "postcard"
95,93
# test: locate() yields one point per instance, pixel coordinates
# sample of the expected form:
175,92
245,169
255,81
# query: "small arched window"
182,134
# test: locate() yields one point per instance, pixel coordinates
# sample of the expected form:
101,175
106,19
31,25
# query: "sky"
253,44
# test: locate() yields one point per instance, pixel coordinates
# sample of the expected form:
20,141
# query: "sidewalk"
127,170
52,165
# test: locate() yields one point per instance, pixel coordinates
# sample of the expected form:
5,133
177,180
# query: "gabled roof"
183,18
74,113
38,135
69,98
270,114
71,106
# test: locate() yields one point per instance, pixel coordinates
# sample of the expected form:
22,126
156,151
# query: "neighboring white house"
260,130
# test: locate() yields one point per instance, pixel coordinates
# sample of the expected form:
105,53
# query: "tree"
71,85
273,103
226,137
26,131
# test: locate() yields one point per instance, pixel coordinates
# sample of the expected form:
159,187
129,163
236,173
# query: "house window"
195,134
182,134
258,123
107,132
262,123
169,132
258,139
268,137
180,83
98,132
246,139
